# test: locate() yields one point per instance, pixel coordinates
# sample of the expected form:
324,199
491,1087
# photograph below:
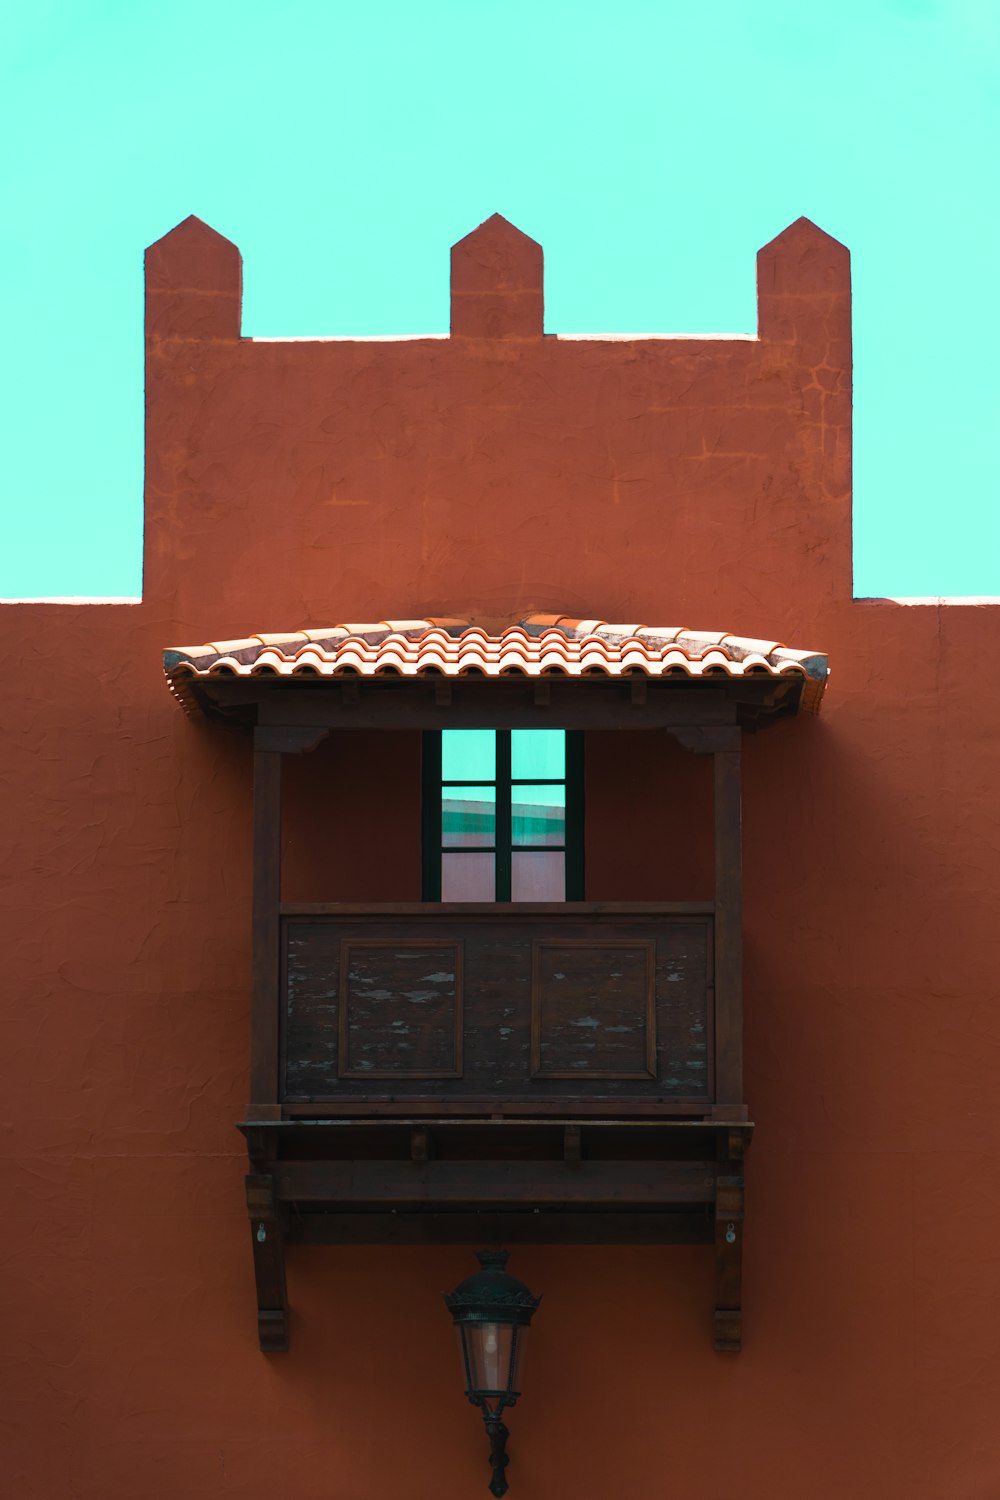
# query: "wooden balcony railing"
598,1008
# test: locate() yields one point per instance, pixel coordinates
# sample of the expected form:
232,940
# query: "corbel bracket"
706,739
288,739
729,1260
268,1241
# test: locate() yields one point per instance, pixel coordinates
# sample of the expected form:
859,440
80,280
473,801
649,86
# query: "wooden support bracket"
706,739
288,739
268,1241
729,1263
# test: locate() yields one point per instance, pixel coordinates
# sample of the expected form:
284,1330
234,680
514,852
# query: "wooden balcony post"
728,927
266,932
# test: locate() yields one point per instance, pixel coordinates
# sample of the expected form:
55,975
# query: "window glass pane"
538,815
468,817
537,754
536,876
468,755
468,877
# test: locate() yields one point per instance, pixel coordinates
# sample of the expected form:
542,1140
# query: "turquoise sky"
650,147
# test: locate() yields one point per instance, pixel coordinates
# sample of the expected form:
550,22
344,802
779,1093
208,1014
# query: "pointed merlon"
803,275
497,288
194,283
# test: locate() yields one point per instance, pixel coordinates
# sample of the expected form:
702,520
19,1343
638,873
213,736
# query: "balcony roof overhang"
450,673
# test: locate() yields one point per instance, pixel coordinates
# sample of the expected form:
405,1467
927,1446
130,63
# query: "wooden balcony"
504,1071
497,1072
583,1008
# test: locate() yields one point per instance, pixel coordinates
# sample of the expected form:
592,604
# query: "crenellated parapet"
497,283
194,284
311,474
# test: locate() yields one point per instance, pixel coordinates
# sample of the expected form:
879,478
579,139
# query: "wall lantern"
492,1312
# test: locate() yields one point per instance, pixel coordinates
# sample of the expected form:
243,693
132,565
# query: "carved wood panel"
593,1009
349,1031
401,1009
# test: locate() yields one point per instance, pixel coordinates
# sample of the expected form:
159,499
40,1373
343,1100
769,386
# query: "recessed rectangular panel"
593,1009
400,1009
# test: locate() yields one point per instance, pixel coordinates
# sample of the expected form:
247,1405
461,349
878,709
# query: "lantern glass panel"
489,1351
520,1339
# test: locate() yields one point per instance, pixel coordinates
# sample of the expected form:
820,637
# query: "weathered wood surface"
267,1240
640,1004
507,703
498,911
680,1226
495,1182
729,1260
266,932
400,1009
515,702
343,1107
728,927
593,1009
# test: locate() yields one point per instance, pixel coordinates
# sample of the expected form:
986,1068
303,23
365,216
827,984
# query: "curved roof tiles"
540,645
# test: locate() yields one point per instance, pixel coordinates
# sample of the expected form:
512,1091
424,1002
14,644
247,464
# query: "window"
503,815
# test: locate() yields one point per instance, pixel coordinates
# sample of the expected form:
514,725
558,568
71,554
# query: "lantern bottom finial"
497,1434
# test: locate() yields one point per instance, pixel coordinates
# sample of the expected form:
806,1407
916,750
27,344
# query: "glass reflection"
468,817
537,875
538,815
488,1350
469,755
468,877
538,754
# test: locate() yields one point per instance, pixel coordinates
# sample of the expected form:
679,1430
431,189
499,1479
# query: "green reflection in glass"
537,754
538,815
468,755
468,817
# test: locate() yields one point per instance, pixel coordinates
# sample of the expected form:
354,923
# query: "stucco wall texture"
693,482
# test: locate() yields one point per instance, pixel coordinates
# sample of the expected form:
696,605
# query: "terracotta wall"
701,483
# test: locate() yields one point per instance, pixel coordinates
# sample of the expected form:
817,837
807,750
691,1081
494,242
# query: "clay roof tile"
550,645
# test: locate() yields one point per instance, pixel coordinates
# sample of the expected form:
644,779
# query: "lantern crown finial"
493,1260
492,1292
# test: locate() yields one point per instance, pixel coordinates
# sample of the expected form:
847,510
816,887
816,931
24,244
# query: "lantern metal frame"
492,1296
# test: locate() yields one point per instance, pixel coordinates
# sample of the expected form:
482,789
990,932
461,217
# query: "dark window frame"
431,784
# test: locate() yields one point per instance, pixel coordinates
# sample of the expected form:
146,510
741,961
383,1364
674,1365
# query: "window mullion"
574,816
432,816
503,816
